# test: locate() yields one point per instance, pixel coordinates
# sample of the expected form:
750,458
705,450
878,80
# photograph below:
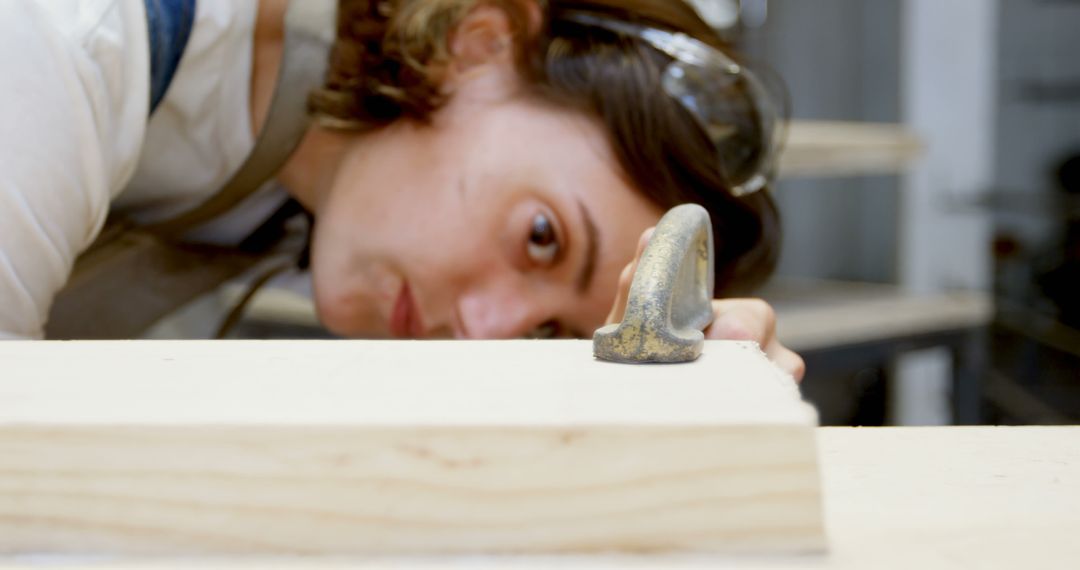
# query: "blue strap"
169,23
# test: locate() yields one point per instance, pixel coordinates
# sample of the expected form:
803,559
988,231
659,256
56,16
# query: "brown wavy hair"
389,57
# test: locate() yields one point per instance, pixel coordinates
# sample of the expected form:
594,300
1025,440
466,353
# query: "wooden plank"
388,447
834,149
980,497
897,498
814,315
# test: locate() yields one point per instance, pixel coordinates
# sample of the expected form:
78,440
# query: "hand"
733,319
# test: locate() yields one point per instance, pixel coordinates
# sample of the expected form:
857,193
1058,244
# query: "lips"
405,321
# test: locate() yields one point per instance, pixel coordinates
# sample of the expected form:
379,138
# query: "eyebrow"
592,245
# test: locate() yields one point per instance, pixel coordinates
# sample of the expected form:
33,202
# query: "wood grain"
309,448
897,498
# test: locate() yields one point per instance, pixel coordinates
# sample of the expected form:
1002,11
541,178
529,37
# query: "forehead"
556,150
530,123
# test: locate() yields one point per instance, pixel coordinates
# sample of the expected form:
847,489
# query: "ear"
483,37
482,49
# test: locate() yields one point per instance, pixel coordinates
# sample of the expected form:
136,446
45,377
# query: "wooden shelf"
833,149
817,314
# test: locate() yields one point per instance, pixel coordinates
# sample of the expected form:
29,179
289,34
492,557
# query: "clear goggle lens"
731,105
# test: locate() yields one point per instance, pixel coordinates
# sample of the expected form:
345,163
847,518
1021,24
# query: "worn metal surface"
670,300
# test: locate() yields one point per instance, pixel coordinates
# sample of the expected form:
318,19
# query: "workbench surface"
911,498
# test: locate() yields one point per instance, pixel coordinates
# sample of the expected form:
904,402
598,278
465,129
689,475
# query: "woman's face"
496,221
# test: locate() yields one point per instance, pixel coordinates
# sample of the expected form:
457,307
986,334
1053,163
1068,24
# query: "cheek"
350,292
360,260
339,318
337,307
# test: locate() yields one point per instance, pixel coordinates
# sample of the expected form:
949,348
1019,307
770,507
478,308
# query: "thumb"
626,278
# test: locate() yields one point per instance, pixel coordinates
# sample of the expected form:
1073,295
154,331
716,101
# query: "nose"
498,309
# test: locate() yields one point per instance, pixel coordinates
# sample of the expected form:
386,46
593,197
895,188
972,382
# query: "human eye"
555,329
543,245
546,330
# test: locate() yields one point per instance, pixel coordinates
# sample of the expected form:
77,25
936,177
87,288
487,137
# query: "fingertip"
795,365
627,274
644,240
727,327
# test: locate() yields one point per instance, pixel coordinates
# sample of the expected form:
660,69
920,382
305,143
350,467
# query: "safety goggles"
730,104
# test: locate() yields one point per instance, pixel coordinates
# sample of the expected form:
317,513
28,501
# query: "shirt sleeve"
72,116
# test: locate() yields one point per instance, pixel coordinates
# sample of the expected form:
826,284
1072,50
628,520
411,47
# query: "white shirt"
75,138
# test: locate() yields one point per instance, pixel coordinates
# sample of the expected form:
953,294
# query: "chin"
344,318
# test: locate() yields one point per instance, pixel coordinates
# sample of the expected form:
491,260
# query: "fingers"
626,278
619,307
742,319
787,360
754,320
643,241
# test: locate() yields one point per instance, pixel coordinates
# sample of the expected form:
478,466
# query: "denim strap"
310,29
169,24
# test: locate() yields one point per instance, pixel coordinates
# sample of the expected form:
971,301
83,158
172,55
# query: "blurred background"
930,192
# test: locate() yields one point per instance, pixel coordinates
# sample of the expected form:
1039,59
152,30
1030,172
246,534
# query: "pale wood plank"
384,447
384,383
980,497
897,498
836,148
